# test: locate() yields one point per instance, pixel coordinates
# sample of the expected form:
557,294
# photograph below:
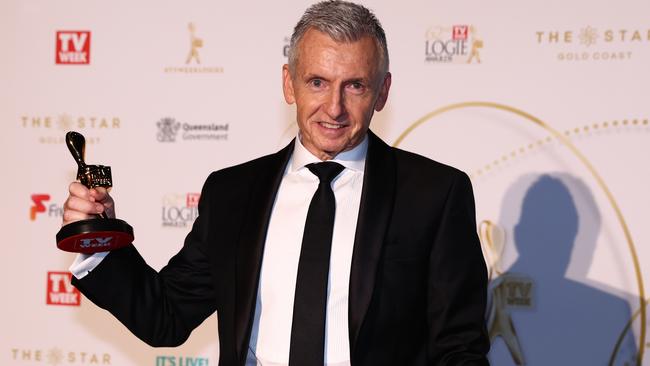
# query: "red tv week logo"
60,290
38,206
193,199
73,47
459,32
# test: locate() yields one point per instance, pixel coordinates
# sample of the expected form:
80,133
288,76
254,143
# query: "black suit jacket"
417,283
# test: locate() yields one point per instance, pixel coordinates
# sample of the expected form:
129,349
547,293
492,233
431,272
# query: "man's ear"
287,85
383,92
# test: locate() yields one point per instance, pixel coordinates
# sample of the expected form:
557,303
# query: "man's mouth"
331,125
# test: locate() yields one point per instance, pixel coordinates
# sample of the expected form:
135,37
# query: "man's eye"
356,87
317,83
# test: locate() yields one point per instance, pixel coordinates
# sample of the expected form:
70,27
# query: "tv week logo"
459,32
73,47
60,290
193,199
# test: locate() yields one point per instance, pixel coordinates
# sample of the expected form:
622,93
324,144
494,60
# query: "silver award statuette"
99,234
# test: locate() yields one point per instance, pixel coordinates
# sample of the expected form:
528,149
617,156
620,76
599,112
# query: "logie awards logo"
180,210
193,60
195,44
457,44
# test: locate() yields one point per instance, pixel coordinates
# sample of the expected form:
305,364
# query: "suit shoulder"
241,176
410,163
430,178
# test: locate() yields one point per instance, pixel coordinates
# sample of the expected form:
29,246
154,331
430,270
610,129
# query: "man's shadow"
553,222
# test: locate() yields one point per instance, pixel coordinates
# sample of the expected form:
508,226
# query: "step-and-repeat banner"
544,104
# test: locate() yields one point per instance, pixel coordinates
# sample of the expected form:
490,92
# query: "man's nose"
335,106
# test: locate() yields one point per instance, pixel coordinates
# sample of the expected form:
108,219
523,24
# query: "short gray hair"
343,21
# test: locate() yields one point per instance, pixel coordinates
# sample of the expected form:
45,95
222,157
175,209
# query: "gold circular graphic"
601,183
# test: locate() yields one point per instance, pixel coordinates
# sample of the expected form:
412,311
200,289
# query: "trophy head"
77,146
89,175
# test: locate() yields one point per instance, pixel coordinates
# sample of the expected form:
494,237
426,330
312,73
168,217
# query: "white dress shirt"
271,333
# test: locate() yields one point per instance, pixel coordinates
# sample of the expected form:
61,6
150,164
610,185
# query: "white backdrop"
565,275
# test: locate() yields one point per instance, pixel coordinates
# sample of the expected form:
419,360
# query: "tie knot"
325,171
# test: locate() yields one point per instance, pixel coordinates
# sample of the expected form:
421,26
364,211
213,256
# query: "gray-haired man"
336,250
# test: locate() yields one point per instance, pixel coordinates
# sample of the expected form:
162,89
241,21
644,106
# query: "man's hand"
83,203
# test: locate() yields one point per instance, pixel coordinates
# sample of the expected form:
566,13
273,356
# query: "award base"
94,235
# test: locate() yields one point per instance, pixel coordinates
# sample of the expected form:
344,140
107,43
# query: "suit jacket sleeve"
458,280
161,308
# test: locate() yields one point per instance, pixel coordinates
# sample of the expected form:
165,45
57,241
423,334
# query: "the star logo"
588,36
64,122
54,356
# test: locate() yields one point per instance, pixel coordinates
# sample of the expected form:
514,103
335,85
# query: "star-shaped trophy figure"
98,234
506,291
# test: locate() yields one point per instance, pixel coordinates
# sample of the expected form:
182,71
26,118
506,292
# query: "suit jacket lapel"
376,207
251,245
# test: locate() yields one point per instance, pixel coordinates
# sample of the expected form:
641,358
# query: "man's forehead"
314,35
320,49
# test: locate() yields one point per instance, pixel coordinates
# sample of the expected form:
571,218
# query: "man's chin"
333,151
328,154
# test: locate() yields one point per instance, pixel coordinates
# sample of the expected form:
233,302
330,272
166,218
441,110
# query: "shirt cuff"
84,263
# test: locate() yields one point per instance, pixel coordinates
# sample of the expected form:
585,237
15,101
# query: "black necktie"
308,326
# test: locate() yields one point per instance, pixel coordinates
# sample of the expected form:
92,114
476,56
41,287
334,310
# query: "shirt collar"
354,159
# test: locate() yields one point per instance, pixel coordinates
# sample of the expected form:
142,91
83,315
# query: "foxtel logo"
60,290
38,206
73,47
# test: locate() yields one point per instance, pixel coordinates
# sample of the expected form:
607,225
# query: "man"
398,277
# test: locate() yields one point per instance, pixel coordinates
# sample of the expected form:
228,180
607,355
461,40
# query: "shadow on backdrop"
543,308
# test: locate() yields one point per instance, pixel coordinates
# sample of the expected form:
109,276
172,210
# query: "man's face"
336,88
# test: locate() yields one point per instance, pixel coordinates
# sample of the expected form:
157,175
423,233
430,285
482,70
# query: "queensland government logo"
51,129
590,43
457,44
193,57
72,47
57,357
168,129
180,210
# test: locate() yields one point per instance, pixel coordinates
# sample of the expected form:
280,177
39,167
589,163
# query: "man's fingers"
100,194
82,206
84,203
72,216
75,209
77,189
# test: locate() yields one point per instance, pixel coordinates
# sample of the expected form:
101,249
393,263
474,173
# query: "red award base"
94,235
